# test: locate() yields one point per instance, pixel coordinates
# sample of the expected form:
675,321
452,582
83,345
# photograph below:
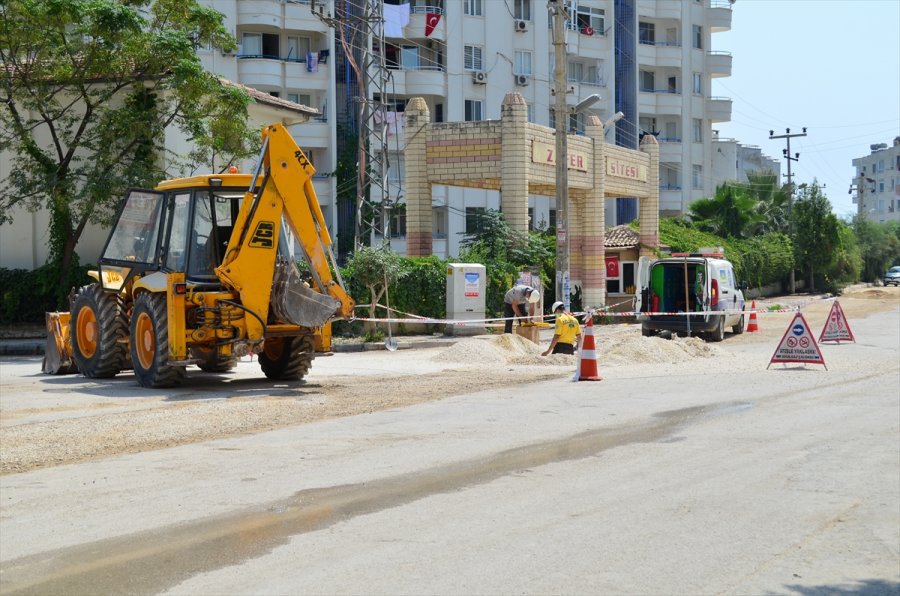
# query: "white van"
701,283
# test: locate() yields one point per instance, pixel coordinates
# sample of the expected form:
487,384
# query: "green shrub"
27,295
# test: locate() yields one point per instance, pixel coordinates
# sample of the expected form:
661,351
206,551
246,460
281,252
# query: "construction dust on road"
45,421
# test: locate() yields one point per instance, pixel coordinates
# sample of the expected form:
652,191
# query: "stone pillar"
648,217
593,223
416,131
515,157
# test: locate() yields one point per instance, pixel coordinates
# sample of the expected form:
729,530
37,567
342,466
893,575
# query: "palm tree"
732,212
772,201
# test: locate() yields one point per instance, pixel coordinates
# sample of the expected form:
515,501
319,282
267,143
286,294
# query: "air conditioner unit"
521,80
479,78
521,25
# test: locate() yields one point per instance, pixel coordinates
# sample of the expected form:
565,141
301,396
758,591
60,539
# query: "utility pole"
860,188
787,154
559,12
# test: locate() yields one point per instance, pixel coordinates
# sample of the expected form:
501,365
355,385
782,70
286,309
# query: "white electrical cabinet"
466,297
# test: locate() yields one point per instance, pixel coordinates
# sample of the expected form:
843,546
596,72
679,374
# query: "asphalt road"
735,480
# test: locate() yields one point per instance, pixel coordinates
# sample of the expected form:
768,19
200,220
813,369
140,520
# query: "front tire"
287,358
99,332
646,331
150,342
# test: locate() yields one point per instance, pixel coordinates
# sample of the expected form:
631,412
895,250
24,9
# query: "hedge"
26,295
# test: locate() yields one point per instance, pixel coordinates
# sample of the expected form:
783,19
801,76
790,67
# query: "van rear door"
642,287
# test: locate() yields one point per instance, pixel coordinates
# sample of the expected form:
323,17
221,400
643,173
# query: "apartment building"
284,50
650,59
877,183
733,161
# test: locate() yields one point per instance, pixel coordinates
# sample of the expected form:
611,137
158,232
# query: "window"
698,130
474,110
576,123
698,37
530,112
472,8
588,16
880,165
472,58
439,112
646,33
575,72
697,179
522,9
881,186
648,84
294,97
531,219
673,85
552,217
260,45
672,132
398,221
474,219
624,283
297,48
523,63
439,222
698,83
409,57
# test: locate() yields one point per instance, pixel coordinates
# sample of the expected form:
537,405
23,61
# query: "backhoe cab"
203,270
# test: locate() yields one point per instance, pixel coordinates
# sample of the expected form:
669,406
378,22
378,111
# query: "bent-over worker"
565,336
514,303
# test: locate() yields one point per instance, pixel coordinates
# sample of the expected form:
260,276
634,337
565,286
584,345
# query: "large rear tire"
287,358
99,332
150,342
210,361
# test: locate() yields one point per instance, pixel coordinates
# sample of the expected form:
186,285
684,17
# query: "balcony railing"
419,67
669,44
426,10
669,187
721,4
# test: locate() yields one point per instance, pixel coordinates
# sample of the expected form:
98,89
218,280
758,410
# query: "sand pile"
502,349
513,349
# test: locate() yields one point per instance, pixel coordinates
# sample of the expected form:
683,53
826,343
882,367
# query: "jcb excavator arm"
282,186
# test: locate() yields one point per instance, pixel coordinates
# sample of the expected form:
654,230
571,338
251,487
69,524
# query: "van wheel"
739,328
646,331
150,342
718,334
99,332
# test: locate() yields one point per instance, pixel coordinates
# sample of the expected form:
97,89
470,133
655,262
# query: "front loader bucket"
58,348
293,301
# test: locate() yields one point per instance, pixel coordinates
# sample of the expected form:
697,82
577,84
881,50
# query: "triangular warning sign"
798,345
836,326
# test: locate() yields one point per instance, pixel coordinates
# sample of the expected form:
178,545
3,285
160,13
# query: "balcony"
587,43
426,80
418,20
315,133
258,72
719,15
297,76
718,64
298,16
718,109
266,13
660,9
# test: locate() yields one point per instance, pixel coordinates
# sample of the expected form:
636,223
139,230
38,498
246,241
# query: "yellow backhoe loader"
204,270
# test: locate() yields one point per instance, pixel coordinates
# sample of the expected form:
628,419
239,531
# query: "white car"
892,277
702,283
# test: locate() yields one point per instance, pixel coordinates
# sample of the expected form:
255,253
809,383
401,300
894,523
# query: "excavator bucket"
293,301
58,348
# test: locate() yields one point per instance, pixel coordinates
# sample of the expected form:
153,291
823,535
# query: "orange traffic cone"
752,325
587,356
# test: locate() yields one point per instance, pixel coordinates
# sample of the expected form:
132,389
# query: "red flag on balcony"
612,266
431,21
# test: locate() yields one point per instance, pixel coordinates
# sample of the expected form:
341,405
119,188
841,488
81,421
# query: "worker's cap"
534,296
556,305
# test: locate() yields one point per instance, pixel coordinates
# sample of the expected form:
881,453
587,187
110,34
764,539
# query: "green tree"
505,253
879,246
376,270
89,88
817,236
771,202
732,212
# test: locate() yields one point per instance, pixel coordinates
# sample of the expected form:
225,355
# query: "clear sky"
832,66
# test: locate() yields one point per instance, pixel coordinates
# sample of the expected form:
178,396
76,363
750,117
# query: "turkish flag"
431,21
612,266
